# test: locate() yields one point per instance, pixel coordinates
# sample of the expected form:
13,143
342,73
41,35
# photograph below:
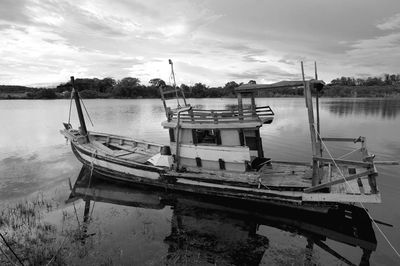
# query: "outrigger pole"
79,109
309,105
317,107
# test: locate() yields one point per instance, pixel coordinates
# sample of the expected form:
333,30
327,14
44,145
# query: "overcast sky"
212,41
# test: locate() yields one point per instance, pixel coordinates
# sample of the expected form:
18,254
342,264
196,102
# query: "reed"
33,240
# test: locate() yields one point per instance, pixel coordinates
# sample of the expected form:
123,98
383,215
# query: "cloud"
14,11
211,41
390,23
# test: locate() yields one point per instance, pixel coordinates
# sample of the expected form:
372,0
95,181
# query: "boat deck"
280,176
285,176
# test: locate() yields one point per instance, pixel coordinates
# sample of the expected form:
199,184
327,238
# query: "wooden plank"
291,194
340,161
285,181
291,163
386,162
99,146
247,88
367,188
360,186
96,134
132,149
341,139
214,153
339,197
352,187
309,105
240,104
140,158
338,181
229,125
218,177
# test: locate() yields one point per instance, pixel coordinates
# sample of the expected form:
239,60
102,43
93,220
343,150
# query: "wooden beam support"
253,104
338,181
291,163
386,162
240,105
340,161
309,105
343,139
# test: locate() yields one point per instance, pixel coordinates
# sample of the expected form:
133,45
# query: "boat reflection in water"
199,224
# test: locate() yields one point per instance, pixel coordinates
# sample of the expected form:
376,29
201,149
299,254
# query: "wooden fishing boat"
204,225
220,153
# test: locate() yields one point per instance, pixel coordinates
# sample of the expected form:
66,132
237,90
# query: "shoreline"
393,96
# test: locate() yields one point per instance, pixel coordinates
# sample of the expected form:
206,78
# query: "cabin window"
172,135
241,137
251,139
206,136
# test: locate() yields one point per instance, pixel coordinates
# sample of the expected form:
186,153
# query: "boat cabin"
215,139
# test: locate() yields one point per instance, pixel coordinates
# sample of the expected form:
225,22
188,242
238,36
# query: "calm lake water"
35,157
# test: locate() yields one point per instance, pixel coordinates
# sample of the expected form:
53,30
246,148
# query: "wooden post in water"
253,105
79,109
317,107
309,105
240,105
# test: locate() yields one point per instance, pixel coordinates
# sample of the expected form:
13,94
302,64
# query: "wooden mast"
79,109
309,105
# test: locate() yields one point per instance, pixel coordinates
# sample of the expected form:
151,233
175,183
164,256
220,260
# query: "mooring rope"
70,106
85,109
362,205
347,154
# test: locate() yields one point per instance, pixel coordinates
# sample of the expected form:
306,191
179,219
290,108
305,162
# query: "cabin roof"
248,88
243,118
235,125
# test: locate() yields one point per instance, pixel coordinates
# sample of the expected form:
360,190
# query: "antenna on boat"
174,85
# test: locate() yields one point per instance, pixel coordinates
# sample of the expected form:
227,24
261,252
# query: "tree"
156,82
252,82
127,87
229,88
106,85
186,90
199,90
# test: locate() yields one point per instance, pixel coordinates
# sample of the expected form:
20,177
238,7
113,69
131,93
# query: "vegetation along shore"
388,86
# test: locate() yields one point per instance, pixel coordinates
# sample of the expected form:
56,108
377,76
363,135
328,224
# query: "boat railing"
224,116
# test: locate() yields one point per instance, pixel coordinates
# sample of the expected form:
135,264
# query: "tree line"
387,79
131,87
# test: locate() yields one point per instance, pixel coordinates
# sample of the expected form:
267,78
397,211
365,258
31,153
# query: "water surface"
35,157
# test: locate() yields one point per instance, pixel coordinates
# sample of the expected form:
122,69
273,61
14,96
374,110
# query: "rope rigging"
351,189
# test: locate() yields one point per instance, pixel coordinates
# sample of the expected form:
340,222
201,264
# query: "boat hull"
155,177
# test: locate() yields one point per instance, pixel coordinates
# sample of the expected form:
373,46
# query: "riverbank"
331,91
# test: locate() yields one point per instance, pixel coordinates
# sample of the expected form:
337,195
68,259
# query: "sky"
44,42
